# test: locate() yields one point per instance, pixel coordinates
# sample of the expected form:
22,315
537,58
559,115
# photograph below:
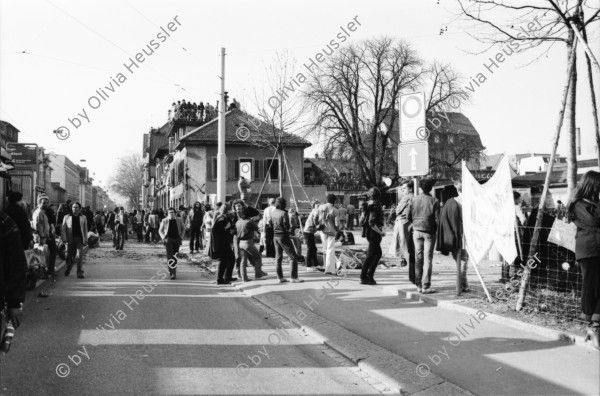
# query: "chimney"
578,141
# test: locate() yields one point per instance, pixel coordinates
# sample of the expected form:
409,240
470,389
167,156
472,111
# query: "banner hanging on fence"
489,214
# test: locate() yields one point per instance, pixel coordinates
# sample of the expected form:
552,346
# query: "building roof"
158,141
235,119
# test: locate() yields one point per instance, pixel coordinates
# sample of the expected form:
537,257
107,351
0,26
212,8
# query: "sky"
55,55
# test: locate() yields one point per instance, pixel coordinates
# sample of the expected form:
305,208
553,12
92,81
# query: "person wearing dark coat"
222,234
16,212
450,232
584,211
194,221
13,269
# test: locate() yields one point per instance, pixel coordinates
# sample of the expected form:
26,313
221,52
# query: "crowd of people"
238,235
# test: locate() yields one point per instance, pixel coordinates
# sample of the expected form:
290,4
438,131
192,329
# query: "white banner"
489,214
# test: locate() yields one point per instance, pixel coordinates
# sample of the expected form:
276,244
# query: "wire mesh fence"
554,286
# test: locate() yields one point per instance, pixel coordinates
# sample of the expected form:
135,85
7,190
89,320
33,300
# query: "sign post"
413,150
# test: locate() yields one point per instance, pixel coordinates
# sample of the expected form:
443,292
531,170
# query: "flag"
489,214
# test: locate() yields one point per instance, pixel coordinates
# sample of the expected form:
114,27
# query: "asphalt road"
128,329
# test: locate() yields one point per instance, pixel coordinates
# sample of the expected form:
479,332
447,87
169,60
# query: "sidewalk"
432,347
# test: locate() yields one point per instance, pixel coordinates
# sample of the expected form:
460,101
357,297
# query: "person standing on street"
270,246
424,214
171,232
19,216
221,244
13,270
351,210
584,211
328,216
195,221
343,217
450,232
120,229
407,244
375,234
52,248
310,227
41,224
246,227
280,222
74,234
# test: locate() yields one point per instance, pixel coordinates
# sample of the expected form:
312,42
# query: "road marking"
262,381
190,337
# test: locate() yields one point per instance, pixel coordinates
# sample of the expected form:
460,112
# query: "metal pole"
221,157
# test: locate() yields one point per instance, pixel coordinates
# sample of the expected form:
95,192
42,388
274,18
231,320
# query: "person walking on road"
375,234
328,223
424,214
584,211
171,232
74,234
280,222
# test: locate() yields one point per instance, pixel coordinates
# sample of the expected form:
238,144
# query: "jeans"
373,256
195,240
464,284
407,247
283,242
248,251
75,253
311,250
119,236
328,252
424,244
350,221
172,246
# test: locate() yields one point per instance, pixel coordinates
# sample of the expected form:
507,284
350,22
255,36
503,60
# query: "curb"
557,335
398,373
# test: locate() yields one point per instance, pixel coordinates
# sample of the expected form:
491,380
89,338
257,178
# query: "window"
213,168
273,172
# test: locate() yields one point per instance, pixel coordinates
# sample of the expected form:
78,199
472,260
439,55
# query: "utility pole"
221,157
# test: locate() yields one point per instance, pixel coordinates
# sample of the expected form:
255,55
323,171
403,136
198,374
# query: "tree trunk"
570,123
281,170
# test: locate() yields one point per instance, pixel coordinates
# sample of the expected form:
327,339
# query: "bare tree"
281,110
557,23
523,26
127,180
355,93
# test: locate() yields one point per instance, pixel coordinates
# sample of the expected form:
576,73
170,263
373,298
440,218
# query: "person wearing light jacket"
310,227
172,231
